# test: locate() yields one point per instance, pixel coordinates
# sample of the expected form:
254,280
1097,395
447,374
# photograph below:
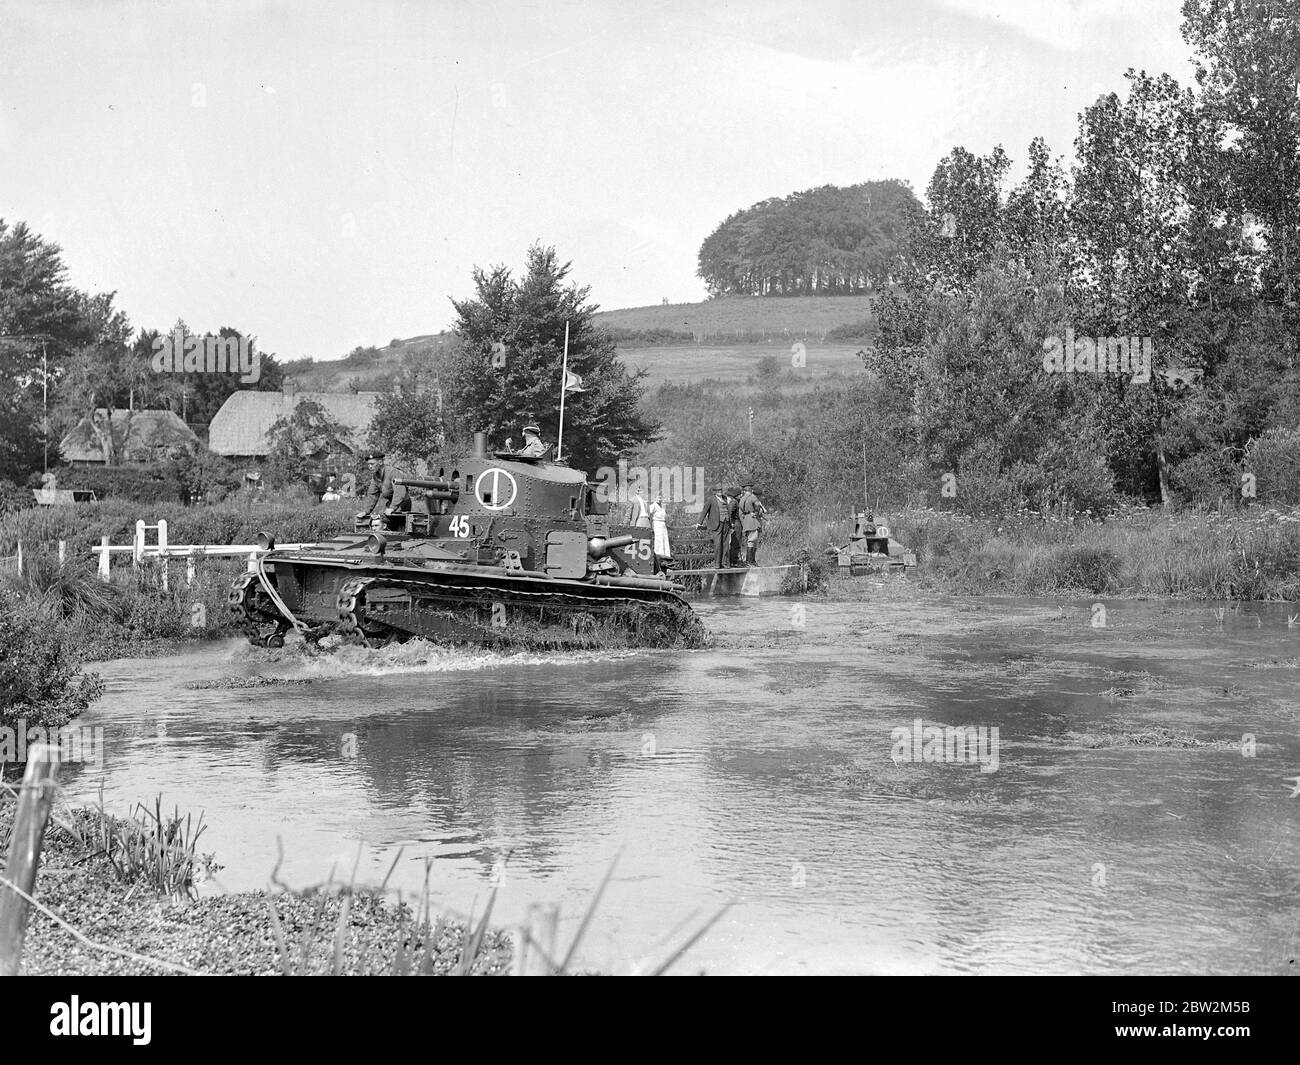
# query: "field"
731,336
689,363
795,316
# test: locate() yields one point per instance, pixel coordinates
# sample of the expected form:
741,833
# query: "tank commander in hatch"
533,446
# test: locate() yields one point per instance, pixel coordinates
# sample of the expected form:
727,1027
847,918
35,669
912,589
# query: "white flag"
572,382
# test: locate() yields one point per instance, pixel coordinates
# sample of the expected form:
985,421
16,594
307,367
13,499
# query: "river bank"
330,931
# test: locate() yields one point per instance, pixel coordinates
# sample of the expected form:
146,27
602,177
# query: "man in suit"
716,520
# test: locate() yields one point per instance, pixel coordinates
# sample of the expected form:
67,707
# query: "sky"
322,175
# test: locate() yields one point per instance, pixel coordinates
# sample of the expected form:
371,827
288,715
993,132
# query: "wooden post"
162,551
103,558
20,558
34,802
189,569
137,554
541,930
63,552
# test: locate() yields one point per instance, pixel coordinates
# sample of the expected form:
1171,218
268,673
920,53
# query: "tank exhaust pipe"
480,445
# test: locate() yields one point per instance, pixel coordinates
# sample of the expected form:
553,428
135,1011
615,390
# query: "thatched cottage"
138,436
239,429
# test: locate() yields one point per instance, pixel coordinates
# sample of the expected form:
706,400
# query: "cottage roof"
151,432
240,427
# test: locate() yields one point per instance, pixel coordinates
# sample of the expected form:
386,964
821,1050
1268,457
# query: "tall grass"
148,846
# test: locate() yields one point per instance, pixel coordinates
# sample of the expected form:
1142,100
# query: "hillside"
722,338
767,316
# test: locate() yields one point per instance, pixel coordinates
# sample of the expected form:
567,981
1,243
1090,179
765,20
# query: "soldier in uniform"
716,520
379,494
751,522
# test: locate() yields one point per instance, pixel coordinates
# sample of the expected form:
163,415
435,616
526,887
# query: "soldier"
533,446
751,522
716,519
379,494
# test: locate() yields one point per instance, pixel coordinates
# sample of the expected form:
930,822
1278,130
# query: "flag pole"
564,377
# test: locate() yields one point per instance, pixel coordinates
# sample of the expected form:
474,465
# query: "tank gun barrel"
598,547
437,489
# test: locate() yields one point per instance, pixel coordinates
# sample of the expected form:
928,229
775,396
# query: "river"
766,772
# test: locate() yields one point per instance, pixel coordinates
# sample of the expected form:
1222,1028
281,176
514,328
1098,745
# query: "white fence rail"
140,549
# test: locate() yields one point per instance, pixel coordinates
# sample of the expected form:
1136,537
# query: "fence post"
34,802
189,568
137,553
541,930
20,558
162,551
103,558
252,562
63,552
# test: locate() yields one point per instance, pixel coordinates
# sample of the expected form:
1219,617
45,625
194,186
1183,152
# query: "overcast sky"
323,175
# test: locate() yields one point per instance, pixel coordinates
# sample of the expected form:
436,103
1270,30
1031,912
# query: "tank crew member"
751,522
379,490
659,522
533,446
716,520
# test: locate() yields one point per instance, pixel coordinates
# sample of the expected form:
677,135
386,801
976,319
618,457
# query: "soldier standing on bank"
751,522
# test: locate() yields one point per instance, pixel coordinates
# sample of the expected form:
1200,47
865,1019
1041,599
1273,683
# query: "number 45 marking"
642,550
460,526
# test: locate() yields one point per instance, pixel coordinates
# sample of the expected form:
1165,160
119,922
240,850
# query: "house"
239,430
139,436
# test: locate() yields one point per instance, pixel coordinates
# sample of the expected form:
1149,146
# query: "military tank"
500,550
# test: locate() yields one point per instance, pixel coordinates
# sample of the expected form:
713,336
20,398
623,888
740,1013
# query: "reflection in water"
760,771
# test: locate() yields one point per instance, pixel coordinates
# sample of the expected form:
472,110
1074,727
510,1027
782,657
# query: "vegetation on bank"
1201,554
128,884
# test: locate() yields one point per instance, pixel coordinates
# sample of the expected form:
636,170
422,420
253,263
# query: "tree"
408,420
39,322
303,440
505,368
826,240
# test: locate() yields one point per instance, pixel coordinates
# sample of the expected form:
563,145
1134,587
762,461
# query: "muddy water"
759,772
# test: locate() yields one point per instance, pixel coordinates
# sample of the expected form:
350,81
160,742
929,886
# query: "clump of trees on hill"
823,241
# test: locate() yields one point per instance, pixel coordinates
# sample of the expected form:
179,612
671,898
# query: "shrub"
40,682
158,483
1274,459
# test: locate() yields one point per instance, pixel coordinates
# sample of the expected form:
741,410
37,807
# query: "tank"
870,549
499,550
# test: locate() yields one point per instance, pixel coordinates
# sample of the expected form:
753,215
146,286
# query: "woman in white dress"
659,522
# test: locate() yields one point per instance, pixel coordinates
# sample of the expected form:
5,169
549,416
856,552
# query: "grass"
147,846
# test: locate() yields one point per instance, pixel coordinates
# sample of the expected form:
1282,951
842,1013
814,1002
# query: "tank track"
379,610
